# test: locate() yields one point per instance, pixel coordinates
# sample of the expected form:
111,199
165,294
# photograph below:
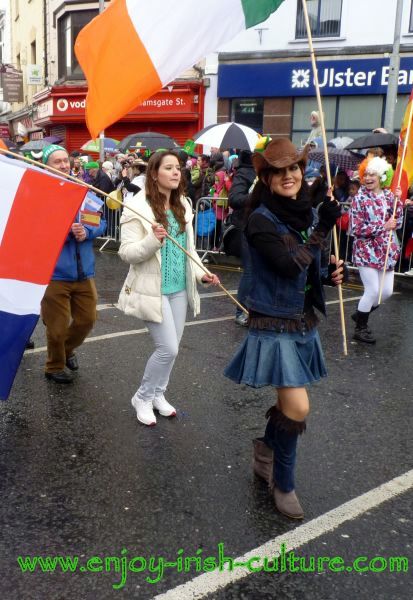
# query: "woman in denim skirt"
282,348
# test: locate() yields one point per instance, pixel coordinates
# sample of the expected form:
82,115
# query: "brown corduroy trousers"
68,310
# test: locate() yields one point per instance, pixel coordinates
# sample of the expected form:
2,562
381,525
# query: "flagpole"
102,133
327,164
97,191
391,232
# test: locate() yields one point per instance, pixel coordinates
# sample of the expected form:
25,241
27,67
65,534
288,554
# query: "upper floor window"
1,43
68,28
33,53
411,19
324,17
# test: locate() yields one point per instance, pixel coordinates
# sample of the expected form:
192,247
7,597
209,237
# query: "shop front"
21,127
276,98
176,110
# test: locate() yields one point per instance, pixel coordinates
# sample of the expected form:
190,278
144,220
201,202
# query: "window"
33,52
357,113
248,111
399,110
345,116
68,29
303,108
1,42
324,17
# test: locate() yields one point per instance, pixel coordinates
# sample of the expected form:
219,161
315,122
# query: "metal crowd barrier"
113,229
213,238
210,234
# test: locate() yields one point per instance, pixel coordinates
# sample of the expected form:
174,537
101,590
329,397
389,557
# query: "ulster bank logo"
300,78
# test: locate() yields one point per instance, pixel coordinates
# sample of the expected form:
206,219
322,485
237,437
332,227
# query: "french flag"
36,212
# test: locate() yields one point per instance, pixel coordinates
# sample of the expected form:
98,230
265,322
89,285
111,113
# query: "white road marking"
207,583
105,306
116,334
206,295
202,296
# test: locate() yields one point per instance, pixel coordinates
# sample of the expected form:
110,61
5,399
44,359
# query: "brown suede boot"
283,433
263,460
287,503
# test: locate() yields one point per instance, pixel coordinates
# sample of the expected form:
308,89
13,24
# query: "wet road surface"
81,477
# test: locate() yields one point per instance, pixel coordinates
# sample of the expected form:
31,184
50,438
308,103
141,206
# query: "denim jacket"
277,296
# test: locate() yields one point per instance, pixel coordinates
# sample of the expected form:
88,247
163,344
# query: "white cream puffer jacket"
141,292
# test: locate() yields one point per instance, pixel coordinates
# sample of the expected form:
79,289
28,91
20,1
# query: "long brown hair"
156,199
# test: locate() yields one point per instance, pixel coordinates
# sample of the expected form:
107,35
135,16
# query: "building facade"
27,60
5,56
264,76
57,108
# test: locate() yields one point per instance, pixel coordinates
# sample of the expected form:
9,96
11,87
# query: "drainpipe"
391,96
45,37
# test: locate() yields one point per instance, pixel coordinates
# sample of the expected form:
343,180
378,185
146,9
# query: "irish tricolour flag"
36,212
135,47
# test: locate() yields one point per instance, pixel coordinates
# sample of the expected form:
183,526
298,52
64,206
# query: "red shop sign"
179,101
165,102
4,130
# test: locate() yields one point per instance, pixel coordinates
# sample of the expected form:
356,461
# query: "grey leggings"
166,336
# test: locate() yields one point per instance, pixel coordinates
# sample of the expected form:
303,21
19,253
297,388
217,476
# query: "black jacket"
238,195
189,186
103,182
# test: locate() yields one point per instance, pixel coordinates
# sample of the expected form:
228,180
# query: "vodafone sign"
69,106
168,101
174,102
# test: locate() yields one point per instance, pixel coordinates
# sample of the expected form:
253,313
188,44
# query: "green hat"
189,147
49,150
91,165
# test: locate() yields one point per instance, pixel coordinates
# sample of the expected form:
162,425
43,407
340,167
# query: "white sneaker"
165,409
144,411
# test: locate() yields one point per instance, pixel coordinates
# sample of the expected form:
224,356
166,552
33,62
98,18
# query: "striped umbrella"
228,135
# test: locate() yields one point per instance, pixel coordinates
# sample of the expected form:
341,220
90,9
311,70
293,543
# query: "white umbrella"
228,135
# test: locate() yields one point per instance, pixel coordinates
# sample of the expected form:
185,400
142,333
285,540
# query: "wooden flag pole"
97,191
391,232
323,134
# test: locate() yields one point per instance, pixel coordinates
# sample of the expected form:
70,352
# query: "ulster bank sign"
340,77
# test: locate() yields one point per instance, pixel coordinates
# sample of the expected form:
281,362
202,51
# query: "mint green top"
173,260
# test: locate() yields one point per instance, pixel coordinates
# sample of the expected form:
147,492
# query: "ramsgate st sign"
168,101
344,77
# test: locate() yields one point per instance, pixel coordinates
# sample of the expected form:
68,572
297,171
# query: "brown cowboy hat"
279,153
138,162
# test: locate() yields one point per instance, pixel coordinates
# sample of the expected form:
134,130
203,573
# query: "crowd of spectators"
218,185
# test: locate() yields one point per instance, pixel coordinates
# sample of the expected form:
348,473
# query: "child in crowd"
205,226
219,192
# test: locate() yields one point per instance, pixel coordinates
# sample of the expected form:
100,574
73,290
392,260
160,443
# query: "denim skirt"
278,359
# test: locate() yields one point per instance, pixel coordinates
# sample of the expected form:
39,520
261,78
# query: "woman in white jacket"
161,279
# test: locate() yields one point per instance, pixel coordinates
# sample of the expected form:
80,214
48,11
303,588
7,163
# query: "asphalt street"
80,477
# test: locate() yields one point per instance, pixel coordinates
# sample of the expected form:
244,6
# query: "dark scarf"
297,213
